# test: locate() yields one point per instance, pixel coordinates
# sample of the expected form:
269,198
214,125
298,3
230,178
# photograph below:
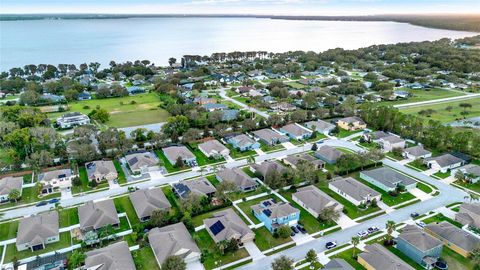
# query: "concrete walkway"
259,151
344,221
253,250
288,145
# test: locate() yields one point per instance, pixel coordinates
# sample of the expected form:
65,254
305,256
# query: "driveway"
259,151
288,145
429,172
195,265
253,250
344,221
66,194
420,194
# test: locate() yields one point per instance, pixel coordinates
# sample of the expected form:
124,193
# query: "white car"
362,234
421,224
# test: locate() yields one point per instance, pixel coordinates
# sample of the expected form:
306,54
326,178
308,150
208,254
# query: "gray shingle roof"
269,135
98,214
353,188
10,183
454,235
295,129
138,160
237,176
329,152
201,187
389,177
113,257
315,199
243,140
392,139
277,209
320,125
57,174
418,238
417,151
338,264
353,119
171,240
145,201
295,159
212,145
100,167
445,160
37,229
472,169
268,167
232,224
380,258
174,152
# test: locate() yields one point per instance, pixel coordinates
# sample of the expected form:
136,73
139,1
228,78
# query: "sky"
266,7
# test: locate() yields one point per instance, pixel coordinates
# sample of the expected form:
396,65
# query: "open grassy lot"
417,165
439,218
245,206
123,204
8,230
419,95
441,114
126,111
265,240
145,259
347,255
11,252
214,258
68,217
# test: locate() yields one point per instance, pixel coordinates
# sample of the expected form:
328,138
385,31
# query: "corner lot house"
320,126
243,143
354,191
328,154
269,137
101,170
214,149
296,132
95,215
416,152
470,171
141,162
388,179
36,232
294,160
352,123
199,187
419,246
173,240
8,184
240,178
72,119
54,180
376,257
314,200
174,153
274,215
145,201
227,225
267,167
453,237
469,214
444,162
391,142
115,256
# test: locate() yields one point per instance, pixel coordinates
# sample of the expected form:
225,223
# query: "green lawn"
347,255
370,145
11,252
213,180
268,148
8,230
317,137
245,206
121,174
68,217
145,259
165,163
201,158
296,85
124,205
474,187
455,260
29,195
213,258
442,115
419,95
236,154
439,218
442,175
345,133
265,240
310,223
85,187
424,187
418,165
124,113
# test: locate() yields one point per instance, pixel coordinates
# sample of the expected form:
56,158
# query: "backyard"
145,259
8,230
124,205
68,217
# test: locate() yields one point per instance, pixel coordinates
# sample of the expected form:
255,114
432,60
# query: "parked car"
301,229
362,234
53,201
42,203
414,215
373,229
421,224
294,229
330,245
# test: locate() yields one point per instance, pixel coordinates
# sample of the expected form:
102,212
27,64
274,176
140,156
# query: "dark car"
54,200
414,215
372,229
330,245
294,229
301,229
42,203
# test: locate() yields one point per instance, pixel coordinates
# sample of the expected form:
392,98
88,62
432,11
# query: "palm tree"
390,226
355,242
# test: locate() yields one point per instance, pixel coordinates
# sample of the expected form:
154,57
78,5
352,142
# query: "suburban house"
229,115
354,191
374,136
269,137
296,132
9,183
388,179
320,126
419,246
416,152
243,143
199,187
391,142
275,214
84,96
72,119
35,232
453,237
328,154
266,168
352,123
470,171
314,200
469,214
444,162
204,100
95,215
145,201
175,153
294,160
239,177
214,149
115,256
338,264
377,257
141,162
52,181
173,240
210,107
101,170
227,225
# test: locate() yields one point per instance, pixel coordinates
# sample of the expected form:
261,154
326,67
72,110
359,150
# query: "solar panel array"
267,212
217,227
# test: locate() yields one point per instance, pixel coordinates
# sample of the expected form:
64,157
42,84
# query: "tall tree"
283,263
355,241
174,263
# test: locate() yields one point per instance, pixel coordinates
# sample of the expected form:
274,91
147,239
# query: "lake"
157,39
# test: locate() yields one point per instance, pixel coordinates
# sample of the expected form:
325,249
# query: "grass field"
145,259
265,240
68,217
123,204
126,111
423,95
442,115
8,230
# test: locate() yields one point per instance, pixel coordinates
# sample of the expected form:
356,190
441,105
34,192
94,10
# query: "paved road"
435,101
223,94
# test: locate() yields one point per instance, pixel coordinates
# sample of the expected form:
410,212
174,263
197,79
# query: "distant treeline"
460,22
